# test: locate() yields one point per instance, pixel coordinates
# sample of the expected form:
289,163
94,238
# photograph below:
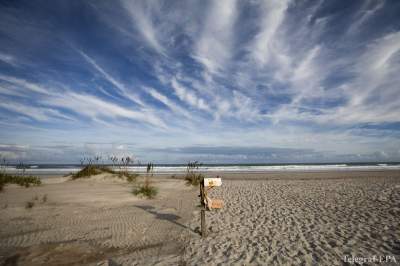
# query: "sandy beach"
320,218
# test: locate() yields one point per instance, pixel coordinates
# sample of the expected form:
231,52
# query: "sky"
224,81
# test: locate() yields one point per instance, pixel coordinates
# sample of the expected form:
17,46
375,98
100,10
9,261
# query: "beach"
270,218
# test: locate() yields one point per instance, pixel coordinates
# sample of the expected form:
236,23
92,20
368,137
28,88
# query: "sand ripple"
300,222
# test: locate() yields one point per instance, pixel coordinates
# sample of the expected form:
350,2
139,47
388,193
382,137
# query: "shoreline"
276,174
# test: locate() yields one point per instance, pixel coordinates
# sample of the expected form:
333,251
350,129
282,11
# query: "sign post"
203,211
206,202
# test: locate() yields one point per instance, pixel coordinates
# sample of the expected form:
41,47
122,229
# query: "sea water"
65,169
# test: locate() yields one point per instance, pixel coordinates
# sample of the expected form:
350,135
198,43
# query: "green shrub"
25,181
106,169
90,170
131,177
44,198
29,204
148,192
194,179
87,171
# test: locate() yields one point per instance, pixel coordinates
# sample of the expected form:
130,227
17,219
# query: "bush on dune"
148,192
146,189
192,177
130,177
91,170
25,181
87,171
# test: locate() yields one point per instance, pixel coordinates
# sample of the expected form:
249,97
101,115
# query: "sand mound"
103,218
104,177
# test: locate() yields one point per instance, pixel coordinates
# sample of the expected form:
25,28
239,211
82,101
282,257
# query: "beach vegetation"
29,204
3,164
92,167
19,179
146,189
87,171
131,177
44,198
24,181
193,177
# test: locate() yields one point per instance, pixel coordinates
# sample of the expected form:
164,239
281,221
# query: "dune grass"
87,171
146,189
29,204
24,181
192,177
149,192
130,177
91,170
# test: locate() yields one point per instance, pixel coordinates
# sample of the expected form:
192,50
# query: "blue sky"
217,81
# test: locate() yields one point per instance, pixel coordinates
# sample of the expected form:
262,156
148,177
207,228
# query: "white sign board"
212,182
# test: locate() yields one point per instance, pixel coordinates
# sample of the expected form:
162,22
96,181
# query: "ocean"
64,169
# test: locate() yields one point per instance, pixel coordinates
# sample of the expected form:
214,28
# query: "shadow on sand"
164,216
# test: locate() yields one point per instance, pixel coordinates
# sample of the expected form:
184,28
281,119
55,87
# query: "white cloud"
214,47
366,12
165,100
189,97
142,18
273,14
37,113
9,59
25,84
123,90
373,93
94,107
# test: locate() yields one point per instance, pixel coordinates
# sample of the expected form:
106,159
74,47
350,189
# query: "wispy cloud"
189,97
9,59
168,102
94,107
118,85
24,84
214,47
264,45
141,14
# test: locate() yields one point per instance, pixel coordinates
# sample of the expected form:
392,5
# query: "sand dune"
94,220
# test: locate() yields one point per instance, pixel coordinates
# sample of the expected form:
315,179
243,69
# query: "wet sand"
268,219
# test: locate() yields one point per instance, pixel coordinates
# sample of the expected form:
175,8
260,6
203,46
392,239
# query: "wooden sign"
216,204
206,202
212,182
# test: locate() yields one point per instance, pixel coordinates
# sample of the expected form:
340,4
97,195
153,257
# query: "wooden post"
203,211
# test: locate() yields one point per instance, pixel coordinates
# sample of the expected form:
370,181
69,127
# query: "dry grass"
29,204
87,171
91,170
25,181
149,192
194,179
44,198
146,189
192,176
